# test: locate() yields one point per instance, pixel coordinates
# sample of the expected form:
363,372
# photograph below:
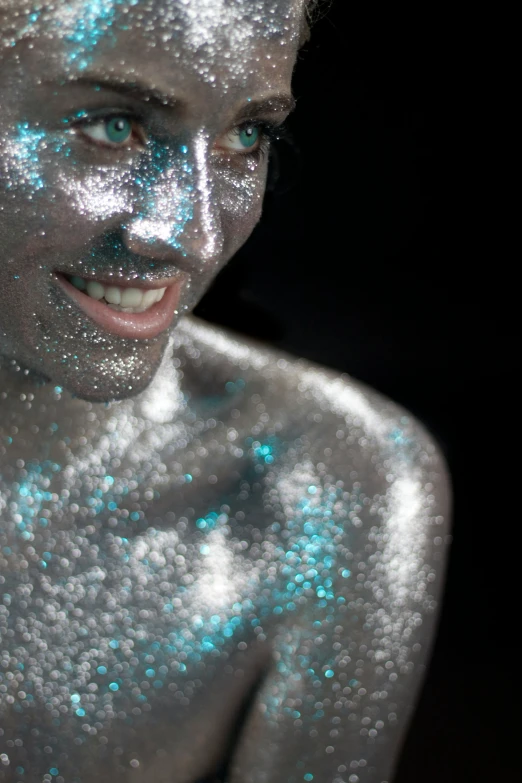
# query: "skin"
176,204
209,552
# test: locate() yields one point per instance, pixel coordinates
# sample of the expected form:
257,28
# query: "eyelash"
269,133
84,120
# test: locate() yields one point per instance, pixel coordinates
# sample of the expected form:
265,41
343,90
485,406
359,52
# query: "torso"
245,560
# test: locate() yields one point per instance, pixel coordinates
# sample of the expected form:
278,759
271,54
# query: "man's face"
133,156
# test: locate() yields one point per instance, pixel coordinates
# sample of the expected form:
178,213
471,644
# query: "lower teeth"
121,309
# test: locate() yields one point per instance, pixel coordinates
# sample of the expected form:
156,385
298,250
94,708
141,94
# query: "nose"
177,217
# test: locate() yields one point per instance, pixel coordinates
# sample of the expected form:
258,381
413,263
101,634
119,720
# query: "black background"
354,266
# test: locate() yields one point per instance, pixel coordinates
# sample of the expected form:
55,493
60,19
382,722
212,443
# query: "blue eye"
241,139
248,137
116,130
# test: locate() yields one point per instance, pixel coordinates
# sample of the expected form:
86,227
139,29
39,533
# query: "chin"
103,375
120,389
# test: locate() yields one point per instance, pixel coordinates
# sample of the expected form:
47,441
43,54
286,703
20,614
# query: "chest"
115,586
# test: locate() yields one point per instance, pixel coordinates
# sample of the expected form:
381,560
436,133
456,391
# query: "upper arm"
368,514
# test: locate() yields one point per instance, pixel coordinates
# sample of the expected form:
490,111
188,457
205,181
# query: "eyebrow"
277,103
130,89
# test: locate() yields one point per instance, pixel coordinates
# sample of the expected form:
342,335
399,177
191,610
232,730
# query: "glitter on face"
189,525
167,186
88,23
82,24
25,150
171,204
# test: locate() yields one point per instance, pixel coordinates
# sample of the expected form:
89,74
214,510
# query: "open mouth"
131,309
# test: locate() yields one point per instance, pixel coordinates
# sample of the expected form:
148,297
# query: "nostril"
191,252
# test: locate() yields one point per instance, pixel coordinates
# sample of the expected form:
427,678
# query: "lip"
138,326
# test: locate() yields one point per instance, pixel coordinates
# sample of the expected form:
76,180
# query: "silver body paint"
173,205
279,527
207,549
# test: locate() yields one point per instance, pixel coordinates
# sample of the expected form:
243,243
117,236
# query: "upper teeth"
127,300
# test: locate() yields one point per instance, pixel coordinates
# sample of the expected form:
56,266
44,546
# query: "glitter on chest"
143,549
99,619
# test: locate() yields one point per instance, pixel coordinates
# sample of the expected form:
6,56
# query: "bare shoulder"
338,460
347,430
351,516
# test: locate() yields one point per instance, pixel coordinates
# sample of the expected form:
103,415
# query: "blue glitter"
25,148
28,143
210,521
75,698
153,169
302,556
265,452
95,22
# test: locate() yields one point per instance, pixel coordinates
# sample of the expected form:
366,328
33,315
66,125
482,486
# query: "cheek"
241,197
46,205
49,217
97,196
59,204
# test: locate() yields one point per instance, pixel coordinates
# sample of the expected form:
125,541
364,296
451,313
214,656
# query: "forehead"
204,33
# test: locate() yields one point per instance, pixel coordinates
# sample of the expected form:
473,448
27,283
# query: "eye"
116,130
243,139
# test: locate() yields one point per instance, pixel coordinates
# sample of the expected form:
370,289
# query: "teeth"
96,290
112,295
149,298
126,300
131,297
78,282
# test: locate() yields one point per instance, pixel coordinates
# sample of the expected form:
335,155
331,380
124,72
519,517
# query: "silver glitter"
190,525
147,553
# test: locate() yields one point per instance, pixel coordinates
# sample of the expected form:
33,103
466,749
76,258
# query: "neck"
41,421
